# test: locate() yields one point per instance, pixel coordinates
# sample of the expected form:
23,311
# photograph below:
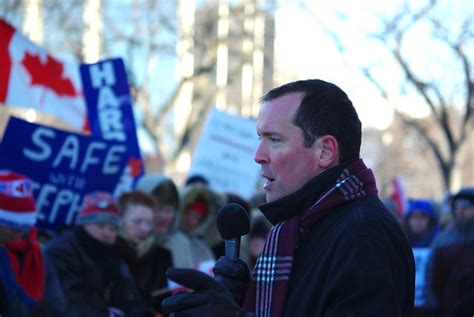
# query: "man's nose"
260,155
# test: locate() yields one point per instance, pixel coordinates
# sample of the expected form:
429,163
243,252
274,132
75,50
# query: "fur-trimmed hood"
207,230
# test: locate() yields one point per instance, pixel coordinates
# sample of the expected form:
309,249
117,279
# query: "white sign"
224,154
421,259
205,267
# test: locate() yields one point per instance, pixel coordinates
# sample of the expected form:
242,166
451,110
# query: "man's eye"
274,140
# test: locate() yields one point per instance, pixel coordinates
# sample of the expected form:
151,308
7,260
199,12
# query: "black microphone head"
232,221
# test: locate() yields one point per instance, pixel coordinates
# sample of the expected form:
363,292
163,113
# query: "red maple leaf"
136,166
48,74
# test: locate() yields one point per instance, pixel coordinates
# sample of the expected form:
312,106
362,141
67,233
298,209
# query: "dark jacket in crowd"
93,276
148,263
355,261
16,305
450,270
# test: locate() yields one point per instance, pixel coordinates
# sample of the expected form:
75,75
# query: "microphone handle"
232,248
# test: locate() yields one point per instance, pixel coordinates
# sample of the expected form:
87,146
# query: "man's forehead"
273,117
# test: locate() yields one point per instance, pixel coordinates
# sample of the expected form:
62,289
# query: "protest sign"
110,113
32,78
205,267
421,259
63,166
224,154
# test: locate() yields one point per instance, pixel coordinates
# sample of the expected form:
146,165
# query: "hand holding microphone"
223,294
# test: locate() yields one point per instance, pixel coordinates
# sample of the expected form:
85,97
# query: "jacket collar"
296,203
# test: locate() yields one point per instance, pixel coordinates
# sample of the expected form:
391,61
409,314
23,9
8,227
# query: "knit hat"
98,207
17,205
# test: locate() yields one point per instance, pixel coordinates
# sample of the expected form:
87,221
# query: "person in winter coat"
421,223
136,243
199,217
450,268
334,248
94,277
167,221
28,282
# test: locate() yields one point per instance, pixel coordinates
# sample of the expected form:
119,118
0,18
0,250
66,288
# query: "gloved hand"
210,297
234,274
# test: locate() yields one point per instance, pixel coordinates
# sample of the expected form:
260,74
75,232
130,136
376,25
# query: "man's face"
105,232
8,234
286,163
464,209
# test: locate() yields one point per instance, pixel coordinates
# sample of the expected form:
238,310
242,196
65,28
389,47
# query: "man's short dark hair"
325,109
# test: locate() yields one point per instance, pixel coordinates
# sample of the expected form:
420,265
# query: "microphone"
232,223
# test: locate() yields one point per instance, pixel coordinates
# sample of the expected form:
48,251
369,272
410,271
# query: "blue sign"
421,256
110,113
63,166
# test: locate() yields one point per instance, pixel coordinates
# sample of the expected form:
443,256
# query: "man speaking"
334,249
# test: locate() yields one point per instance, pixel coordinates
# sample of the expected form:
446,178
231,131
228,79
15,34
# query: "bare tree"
450,121
454,131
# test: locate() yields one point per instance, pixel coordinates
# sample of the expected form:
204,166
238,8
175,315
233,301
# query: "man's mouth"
268,182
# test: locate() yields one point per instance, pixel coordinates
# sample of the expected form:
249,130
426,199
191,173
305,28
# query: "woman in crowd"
147,261
199,217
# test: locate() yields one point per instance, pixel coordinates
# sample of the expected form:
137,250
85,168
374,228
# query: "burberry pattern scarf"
267,292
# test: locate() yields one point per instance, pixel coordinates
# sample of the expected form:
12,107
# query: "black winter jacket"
93,276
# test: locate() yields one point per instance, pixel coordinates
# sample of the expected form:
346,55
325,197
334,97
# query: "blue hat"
420,205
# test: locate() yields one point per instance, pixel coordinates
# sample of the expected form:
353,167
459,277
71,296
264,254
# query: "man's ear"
328,153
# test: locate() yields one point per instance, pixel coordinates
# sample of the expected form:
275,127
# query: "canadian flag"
31,78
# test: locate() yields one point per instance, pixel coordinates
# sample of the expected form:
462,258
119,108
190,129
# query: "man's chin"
271,197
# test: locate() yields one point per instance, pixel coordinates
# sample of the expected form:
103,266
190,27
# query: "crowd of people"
113,261
321,244
445,229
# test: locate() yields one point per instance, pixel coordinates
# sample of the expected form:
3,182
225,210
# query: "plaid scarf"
267,292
